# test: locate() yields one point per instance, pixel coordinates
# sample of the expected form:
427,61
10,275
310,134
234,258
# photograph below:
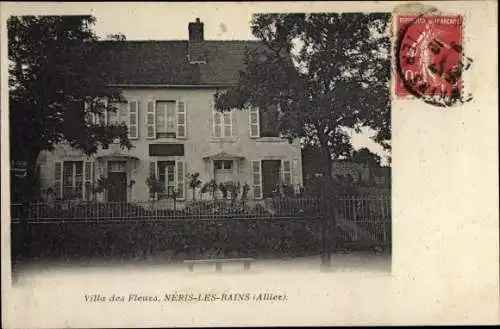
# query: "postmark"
430,59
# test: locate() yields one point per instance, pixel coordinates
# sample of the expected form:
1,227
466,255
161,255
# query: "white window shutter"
286,171
295,172
104,169
217,128
133,118
151,120
105,114
90,118
254,122
234,123
211,122
257,179
58,179
180,179
88,180
181,119
153,173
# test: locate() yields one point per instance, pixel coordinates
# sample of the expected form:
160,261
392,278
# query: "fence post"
326,261
382,200
354,216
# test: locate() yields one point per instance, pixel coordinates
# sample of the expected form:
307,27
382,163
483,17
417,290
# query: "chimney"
196,30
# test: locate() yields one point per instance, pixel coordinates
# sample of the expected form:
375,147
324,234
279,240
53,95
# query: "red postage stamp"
430,59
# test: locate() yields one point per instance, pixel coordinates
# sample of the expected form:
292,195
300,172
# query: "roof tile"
167,63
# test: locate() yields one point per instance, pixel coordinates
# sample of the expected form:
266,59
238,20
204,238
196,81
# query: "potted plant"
103,185
224,190
210,187
194,183
244,194
234,189
155,186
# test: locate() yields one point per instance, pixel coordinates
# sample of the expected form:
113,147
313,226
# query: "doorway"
117,177
271,170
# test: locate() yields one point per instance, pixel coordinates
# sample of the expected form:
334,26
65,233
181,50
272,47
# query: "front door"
118,186
271,178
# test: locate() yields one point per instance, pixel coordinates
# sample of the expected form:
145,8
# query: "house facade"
169,88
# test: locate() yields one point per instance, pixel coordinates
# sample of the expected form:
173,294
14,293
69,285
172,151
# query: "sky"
162,21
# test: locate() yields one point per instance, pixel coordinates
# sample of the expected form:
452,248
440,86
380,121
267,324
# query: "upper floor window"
166,119
264,123
119,112
223,126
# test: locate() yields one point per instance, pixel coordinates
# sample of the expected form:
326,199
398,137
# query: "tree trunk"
29,192
28,195
329,224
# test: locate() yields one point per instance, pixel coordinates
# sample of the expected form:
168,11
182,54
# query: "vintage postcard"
249,164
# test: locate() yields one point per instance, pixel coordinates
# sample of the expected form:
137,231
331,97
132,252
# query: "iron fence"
279,225
165,210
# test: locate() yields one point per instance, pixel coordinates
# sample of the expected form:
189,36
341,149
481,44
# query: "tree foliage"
336,77
51,76
365,156
326,73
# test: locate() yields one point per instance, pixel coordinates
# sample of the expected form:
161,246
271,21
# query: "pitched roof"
167,62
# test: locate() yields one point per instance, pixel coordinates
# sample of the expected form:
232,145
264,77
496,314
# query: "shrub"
224,190
288,190
234,189
210,187
155,186
244,193
194,183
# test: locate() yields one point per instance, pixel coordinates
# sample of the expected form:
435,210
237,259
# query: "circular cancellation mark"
430,60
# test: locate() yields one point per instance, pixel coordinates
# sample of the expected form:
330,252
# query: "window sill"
166,139
222,139
270,139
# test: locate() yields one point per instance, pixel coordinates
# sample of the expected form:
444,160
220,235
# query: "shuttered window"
181,119
254,122
72,180
181,186
88,180
172,175
257,179
58,179
133,120
286,172
152,173
295,172
269,122
166,121
103,115
223,124
151,120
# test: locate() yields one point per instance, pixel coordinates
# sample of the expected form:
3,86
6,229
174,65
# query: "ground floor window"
166,173
223,170
270,177
73,180
170,173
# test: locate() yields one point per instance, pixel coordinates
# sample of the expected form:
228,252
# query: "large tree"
366,157
326,72
51,77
